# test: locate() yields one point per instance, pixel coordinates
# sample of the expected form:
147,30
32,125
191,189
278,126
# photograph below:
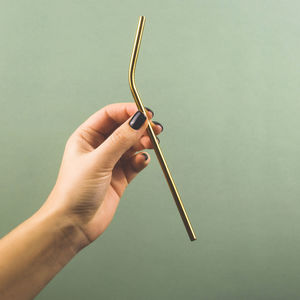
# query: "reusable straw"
158,152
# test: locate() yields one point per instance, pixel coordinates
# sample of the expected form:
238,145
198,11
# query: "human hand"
99,161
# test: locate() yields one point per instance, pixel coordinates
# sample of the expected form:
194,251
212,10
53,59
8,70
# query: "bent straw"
158,152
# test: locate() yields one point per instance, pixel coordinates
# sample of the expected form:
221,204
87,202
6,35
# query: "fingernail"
146,156
157,123
150,111
137,120
158,140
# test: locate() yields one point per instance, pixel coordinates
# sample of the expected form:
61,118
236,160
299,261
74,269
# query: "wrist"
68,235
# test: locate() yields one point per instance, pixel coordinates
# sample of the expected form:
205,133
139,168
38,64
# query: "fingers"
90,134
98,127
121,140
145,141
136,164
107,119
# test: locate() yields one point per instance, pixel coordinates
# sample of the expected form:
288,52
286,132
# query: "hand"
99,161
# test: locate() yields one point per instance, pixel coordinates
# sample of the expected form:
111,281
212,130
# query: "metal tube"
158,152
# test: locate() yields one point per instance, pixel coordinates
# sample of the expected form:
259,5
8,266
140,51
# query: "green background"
223,78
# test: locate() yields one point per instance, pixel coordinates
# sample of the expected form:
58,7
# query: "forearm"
34,252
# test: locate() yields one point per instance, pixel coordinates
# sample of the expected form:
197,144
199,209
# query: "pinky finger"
135,164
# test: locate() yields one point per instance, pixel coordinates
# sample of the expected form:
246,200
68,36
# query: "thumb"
124,137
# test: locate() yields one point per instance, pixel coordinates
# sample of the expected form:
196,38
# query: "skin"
99,161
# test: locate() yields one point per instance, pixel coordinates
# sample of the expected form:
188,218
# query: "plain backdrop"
223,78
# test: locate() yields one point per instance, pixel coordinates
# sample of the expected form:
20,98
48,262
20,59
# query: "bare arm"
99,161
34,252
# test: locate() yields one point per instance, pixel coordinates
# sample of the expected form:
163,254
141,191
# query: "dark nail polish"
157,123
137,120
150,111
146,156
158,140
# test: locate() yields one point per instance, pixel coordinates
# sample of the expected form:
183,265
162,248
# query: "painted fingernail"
137,120
150,111
158,140
146,156
157,123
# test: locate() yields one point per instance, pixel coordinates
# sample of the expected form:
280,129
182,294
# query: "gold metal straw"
158,152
